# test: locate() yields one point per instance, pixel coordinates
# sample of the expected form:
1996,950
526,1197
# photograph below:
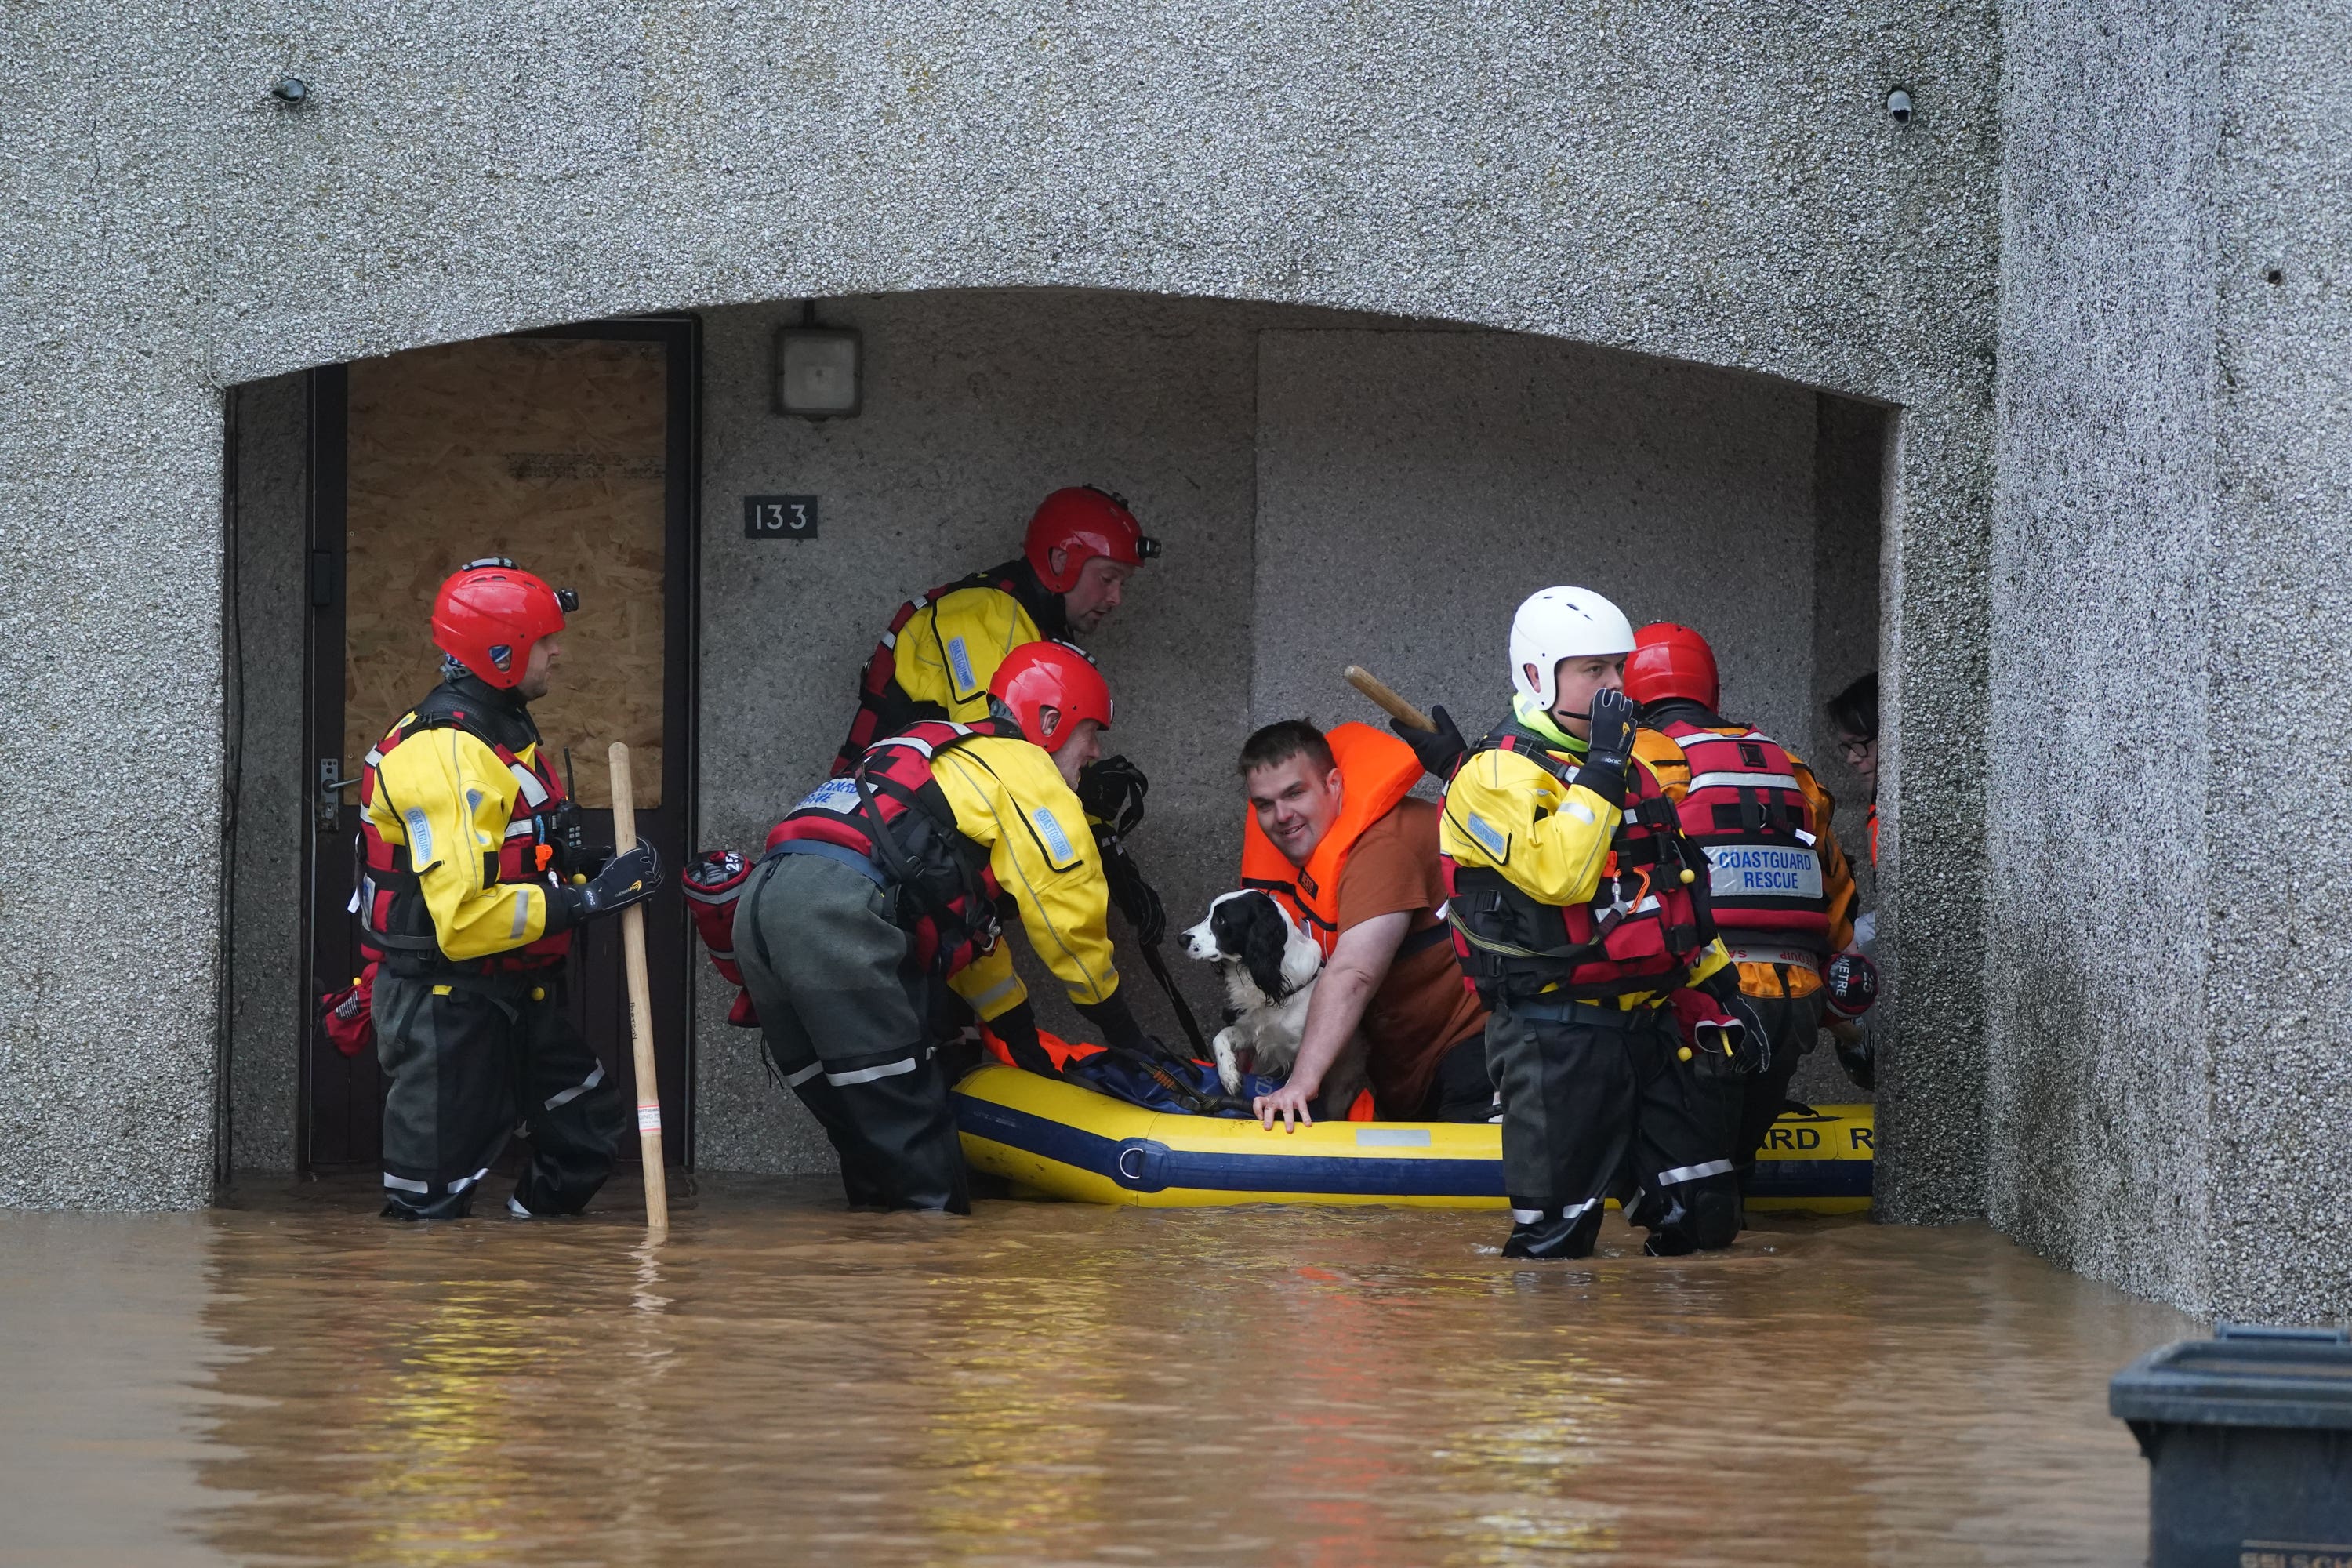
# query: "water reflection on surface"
780,1381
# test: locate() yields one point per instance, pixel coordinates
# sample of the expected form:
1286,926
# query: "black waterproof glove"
1136,898
1610,746
1017,1027
1856,1054
1441,750
1118,1028
1753,1051
1112,790
626,879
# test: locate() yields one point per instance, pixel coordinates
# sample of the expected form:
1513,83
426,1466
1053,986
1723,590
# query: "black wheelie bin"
2249,1442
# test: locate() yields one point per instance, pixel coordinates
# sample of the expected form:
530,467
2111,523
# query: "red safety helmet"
1040,675
1083,523
1669,660
1851,981
489,614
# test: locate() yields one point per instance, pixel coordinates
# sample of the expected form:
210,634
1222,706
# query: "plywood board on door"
547,450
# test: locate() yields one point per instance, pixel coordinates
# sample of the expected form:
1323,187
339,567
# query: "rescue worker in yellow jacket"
882,883
941,651
472,878
1778,883
1571,894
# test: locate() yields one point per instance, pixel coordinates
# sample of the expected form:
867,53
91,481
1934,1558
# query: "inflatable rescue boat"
1051,1138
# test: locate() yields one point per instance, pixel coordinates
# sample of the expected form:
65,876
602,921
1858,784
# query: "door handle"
326,806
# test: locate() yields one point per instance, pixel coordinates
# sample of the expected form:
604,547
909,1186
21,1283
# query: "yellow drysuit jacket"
1008,798
948,651
1504,812
445,794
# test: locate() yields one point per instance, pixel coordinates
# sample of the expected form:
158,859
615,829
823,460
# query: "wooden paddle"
1380,691
641,1009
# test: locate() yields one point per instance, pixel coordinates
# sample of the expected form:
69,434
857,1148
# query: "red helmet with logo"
1851,981
1083,523
490,612
1669,660
1038,676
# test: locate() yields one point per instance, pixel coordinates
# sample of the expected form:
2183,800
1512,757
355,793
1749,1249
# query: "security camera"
1899,104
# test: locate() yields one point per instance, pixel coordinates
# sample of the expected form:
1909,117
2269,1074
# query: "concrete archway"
1332,488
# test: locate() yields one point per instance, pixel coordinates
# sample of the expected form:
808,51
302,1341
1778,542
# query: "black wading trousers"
468,1059
1794,1023
1596,1104
847,1016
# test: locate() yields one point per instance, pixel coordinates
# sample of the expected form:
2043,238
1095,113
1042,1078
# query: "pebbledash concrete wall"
1329,488
2169,1103
2108,950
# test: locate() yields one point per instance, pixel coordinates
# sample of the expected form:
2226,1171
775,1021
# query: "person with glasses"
1853,719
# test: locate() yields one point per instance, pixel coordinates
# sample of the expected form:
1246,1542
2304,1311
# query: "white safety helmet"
1563,623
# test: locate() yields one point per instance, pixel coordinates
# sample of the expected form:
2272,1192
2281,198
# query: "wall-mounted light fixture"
817,369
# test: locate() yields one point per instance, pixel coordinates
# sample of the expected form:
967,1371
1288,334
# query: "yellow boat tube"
1053,1139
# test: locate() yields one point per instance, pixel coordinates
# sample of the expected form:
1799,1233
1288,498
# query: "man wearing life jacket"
1782,892
1577,912
882,882
471,884
941,653
1351,857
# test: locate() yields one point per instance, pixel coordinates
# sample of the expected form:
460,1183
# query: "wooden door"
571,451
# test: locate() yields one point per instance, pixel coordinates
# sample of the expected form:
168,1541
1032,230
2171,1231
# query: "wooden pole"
641,1007
1378,691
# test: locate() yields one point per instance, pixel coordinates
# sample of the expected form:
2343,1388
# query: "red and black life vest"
1640,931
890,821
883,709
396,926
1752,821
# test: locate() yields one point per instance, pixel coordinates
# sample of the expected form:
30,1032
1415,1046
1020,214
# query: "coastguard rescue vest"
396,926
890,820
1378,771
883,709
1640,931
1755,826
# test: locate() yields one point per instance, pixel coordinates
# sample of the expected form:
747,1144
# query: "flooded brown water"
292,1383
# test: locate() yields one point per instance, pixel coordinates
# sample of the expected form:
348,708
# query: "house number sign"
780,517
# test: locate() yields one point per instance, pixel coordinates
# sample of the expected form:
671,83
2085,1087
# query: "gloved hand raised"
1614,715
625,880
1609,747
1441,750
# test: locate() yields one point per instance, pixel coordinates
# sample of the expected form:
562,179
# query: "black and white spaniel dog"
1269,967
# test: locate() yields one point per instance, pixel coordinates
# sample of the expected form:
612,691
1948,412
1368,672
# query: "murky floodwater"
782,1381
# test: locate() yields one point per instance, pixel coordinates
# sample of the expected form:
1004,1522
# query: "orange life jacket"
1377,771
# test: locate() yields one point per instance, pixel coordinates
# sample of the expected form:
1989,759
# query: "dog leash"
1159,967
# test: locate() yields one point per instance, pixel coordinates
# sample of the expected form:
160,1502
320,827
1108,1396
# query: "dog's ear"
1267,941
1230,919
